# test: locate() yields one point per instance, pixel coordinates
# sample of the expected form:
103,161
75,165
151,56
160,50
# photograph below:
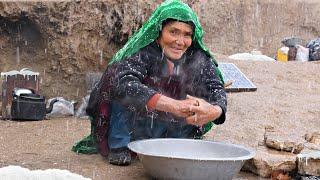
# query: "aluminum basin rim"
240,158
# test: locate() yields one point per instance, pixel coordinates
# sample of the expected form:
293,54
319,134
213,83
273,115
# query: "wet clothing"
125,127
144,74
139,71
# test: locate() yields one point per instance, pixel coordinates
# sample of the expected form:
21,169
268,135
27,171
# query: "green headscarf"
149,32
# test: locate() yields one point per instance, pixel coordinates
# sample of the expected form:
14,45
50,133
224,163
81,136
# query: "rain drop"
18,55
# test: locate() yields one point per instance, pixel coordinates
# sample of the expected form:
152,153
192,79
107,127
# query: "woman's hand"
180,108
196,111
203,113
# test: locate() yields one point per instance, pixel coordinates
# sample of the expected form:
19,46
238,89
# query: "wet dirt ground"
287,98
47,144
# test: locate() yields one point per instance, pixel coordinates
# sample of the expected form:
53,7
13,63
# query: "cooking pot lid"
18,91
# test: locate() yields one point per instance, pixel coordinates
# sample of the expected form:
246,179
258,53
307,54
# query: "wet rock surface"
308,162
269,161
284,141
311,146
285,155
313,138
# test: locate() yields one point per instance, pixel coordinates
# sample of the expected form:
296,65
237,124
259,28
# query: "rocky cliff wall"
65,40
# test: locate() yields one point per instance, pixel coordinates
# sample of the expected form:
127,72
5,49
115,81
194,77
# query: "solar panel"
235,80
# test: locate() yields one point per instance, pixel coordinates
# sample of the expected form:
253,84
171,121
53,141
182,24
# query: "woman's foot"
119,156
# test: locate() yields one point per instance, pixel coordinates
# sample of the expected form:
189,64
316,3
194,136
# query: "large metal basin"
190,159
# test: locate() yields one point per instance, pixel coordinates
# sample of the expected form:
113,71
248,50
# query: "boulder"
267,161
284,141
309,162
313,138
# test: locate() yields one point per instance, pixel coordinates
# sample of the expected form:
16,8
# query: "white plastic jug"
302,53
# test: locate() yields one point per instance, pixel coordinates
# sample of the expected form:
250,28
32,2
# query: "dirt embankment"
65,40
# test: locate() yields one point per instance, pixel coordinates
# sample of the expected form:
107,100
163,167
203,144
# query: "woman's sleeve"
216,93
129,89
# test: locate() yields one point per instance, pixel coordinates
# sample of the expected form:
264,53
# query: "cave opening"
21,37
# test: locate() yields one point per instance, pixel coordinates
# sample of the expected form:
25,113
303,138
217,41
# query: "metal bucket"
190,159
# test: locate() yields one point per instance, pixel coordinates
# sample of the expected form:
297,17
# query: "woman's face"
175,38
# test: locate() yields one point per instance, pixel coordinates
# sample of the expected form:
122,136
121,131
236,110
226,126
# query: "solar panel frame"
240,83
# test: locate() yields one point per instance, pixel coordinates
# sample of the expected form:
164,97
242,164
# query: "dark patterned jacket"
136,79
145,73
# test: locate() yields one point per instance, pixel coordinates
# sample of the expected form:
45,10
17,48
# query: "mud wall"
65,40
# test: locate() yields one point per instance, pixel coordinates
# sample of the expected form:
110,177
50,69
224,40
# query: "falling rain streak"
101,57
18,55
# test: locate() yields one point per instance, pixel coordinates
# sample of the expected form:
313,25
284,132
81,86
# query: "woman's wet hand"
183,107
179,108
203,113
196,111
